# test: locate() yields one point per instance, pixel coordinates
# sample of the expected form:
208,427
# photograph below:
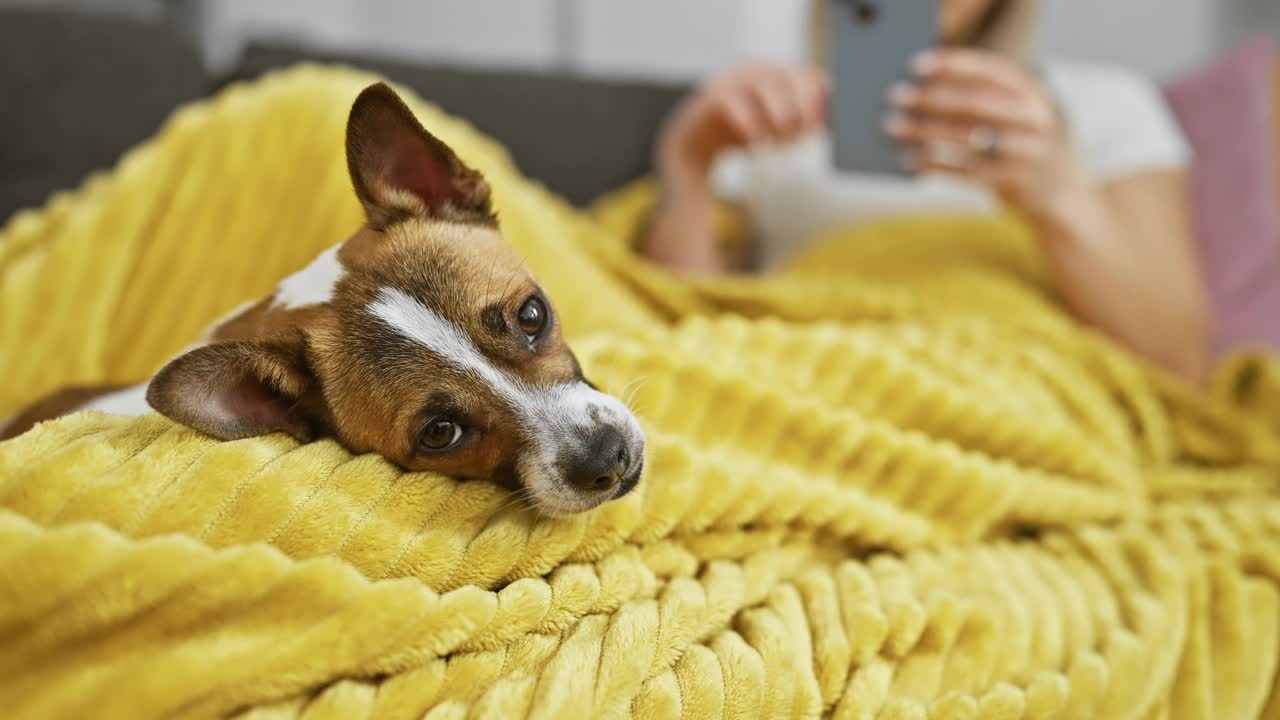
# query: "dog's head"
423,338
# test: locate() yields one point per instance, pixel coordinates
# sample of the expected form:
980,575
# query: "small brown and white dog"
422,338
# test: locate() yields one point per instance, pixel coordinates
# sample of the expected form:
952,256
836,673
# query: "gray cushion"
580,137
80,90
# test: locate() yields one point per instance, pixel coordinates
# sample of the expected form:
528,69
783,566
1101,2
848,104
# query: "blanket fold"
892,481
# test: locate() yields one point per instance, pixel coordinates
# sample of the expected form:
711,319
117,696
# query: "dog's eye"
440,434
533,317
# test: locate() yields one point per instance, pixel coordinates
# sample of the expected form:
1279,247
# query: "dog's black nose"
599,463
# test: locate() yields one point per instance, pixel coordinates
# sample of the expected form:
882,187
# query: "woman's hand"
750,105
978,115
1121,255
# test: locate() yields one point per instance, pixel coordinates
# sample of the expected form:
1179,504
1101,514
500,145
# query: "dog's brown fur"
330,368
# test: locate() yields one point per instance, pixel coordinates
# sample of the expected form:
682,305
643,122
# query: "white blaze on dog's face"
423,338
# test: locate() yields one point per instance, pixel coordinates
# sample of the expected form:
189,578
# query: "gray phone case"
871,46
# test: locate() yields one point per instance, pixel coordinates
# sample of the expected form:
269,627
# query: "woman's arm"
750,105
1120,253
1123,260
681,233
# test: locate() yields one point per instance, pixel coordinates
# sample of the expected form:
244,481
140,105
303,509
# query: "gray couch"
80,90
580,137
77,92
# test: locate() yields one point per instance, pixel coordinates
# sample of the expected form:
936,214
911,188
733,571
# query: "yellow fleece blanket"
893,481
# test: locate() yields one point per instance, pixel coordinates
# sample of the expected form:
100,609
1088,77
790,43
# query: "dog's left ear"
398,168
237,390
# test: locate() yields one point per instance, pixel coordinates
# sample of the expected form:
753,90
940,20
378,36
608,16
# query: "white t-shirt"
1117,119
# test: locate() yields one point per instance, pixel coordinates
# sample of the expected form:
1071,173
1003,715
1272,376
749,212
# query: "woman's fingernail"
925,62
894,124
902,94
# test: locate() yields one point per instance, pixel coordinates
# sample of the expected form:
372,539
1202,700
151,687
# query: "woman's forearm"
681,233
1127,279
751,105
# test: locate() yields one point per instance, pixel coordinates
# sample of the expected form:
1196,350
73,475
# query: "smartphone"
870,47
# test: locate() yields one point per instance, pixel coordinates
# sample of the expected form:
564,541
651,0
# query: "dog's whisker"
523,262
534,503
627,387
637,386
493,266
511,502
519,495
633,405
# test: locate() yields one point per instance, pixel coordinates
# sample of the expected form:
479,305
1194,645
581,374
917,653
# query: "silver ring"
985,142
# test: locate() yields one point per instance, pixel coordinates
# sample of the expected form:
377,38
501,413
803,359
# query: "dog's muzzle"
602,461
589,450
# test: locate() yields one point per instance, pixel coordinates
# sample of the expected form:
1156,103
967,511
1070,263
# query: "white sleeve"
1118,120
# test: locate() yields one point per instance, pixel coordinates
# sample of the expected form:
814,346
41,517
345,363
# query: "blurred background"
82,80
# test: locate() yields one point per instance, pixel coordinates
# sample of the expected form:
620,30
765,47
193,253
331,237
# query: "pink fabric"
1227,111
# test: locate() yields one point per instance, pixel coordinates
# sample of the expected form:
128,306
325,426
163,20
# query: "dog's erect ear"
236,390
398,168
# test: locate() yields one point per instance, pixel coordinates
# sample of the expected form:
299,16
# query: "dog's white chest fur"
309,286
312,284
130,401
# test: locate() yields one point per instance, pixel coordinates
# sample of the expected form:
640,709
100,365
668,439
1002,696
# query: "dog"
422,338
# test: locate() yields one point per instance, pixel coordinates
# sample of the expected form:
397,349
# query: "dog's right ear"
236,390
399,169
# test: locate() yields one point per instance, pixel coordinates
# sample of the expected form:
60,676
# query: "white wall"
774,30
671,39
675,39
486,32
1159,37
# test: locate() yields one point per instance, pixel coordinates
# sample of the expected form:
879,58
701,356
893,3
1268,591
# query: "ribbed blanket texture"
892,481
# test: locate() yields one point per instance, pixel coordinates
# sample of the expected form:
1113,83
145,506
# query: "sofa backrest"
78,90
580,137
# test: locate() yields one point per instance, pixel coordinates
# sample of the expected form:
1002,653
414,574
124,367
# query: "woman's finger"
976,104
739,120
796,86
1001,177
812,83
1008,178
925,132
779,101
968,65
